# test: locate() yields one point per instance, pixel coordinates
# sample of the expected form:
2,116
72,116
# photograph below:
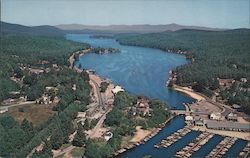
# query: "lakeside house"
215,116
189,118
232,117
117,89
141,108
108,136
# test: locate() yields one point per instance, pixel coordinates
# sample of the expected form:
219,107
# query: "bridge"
185,112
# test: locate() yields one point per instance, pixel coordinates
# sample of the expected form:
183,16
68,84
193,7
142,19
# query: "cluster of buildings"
219,122
141,108
49,96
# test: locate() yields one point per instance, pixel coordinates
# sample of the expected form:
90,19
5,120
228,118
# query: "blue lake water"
144,71
139,70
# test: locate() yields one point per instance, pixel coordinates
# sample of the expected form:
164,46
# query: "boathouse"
227,125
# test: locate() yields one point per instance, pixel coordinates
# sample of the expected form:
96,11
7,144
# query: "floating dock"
194,145
222,148
245,152
173,138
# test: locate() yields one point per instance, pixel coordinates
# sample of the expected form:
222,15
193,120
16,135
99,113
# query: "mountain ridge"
142,28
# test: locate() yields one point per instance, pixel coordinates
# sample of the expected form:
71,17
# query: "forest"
19,51
18,140
211,54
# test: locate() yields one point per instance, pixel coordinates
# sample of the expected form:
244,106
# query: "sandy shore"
236,134
189,92
140,135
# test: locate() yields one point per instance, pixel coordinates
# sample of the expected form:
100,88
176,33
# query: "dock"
194,145
222,147
245,152
173,138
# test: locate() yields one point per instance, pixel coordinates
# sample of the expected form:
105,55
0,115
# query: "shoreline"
188,91
153,133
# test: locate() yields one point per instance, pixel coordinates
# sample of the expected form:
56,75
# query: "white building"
3,110
189,118
117,89
108,136
215,116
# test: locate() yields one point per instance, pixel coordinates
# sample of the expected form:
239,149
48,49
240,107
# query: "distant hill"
15,29
131,28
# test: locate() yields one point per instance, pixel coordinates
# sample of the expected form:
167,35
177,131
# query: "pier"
173,138
245,152
222,148
195,145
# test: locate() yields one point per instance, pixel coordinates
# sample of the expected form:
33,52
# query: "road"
18,104
66,150
99,97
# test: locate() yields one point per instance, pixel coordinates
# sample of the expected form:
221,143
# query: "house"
226,82
236,106
232,117
3,110
215,116
117,89
74,87
81,117
142,107
48,88
244,80
198,122
36,71
189,118
45,99
108,135
56,100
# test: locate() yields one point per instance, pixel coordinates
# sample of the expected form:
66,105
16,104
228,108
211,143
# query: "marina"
195,145
173,138
222,147
245,152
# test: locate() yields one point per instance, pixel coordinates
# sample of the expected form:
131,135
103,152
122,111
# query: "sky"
209,13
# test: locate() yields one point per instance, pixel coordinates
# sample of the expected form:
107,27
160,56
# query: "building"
81,117
35,71
198,122
108,136
232,117
227,125
189,118
226,82
215,116
3,110
244,80
117,89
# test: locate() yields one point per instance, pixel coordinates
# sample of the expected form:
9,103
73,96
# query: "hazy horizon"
216,14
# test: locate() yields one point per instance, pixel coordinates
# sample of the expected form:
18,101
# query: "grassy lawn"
36,113
126,141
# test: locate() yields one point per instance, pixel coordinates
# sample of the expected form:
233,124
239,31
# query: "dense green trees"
80,137
104,86
18,140
23,50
